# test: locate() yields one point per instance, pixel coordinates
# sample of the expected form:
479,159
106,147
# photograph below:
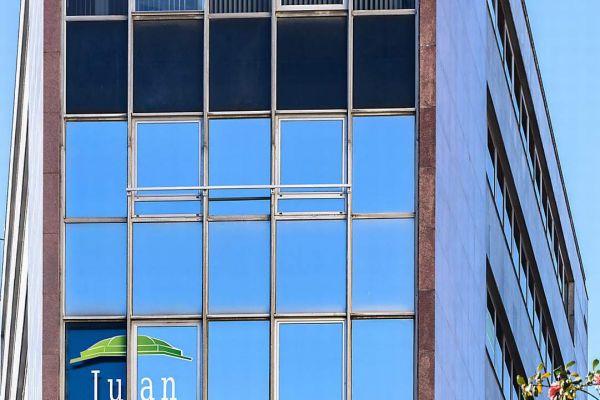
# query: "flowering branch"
562,383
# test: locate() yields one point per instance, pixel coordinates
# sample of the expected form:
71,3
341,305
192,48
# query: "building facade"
289,199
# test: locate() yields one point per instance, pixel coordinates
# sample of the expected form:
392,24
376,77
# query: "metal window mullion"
273,208
130,371
205,200
349,174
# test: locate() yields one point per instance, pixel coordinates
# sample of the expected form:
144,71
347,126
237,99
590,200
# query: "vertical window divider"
348,169
130,373
273,205
205,201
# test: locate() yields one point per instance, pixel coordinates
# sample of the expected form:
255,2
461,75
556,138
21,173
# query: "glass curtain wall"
239,200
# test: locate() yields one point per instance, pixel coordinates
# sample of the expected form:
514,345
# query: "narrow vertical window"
96,269
96,169
384,164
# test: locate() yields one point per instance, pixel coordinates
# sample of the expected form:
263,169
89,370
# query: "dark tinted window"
96,67
96,7
168,65
311,63
240,64
384,61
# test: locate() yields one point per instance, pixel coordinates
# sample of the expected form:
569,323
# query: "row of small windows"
522,262
311,264
168,64
528,133
310,360
120,7
309,152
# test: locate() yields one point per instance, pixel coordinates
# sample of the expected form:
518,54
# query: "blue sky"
566,35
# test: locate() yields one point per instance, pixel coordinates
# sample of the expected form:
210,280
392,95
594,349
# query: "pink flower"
596,380
554,391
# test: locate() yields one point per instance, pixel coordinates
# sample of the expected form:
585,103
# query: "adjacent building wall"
460,200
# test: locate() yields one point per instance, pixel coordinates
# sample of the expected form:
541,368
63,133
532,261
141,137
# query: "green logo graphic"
116,346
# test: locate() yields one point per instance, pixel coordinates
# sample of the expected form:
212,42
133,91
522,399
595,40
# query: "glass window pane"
383,267
168,362
96,67
81,363
96,269
382,359
168,5
312,151
312,63
239,267
96,169
384,164
96,7
168,154
311,361
238,364
240,64
384,61
168,64
240,154
311,266
167,268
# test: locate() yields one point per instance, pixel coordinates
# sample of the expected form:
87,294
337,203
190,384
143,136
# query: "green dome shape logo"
116,346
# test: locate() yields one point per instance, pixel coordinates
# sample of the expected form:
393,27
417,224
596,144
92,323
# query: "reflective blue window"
240,154
168,362
96,169
86,371
311,361
384,164
382,359
167,268
239,267
96,269
168,154
312,151
311,266
238,363
383,265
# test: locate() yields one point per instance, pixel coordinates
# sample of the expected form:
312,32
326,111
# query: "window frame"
133,356
141,196
338,191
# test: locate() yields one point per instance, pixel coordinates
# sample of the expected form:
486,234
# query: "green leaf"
520,380
570,364
595,364
540,367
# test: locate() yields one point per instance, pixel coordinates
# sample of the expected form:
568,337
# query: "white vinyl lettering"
172,382
112,397
95,373
147,389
